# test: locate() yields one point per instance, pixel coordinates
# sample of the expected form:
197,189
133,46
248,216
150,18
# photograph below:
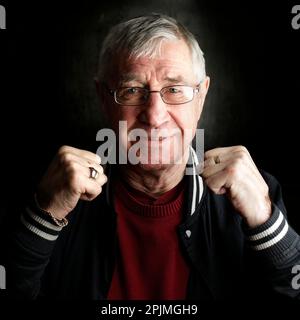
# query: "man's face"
176,124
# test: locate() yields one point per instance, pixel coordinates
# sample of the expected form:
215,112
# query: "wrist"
263,215
61,222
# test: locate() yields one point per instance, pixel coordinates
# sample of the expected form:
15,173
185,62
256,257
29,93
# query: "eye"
173,90
132,90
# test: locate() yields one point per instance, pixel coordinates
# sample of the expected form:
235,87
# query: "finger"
76,169
97,167
81,153
74,163
77,166
245,157
100,176
218,182
225,179
92,189
209,162
101,179
233,154
237,154
210,170
68,157
221,151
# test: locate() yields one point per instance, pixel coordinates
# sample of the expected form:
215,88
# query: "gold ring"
217,160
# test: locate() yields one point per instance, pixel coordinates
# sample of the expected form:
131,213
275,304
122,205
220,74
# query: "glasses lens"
177,94
136,96
131,96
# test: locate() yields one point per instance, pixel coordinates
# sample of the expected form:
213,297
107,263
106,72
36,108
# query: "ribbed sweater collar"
142,204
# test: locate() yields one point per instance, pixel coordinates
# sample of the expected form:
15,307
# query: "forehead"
173,61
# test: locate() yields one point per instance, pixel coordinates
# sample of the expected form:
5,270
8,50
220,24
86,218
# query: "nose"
155,112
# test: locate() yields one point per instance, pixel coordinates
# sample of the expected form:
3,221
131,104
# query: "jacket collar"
195,183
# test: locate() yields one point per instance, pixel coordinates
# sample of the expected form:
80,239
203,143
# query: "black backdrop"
49,57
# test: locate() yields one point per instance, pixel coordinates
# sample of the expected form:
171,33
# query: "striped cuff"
275,237
40,224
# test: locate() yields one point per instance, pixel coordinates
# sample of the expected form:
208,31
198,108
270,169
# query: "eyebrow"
127,77
175,79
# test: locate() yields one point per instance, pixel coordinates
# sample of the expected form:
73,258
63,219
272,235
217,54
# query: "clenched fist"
68,179
231,170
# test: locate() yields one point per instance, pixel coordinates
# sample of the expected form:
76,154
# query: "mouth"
159,138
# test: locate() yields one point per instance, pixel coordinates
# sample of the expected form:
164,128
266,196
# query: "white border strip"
269,231
43,222
35,230
194,190
200,180
273,241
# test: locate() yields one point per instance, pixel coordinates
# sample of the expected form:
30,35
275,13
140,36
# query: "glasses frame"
113,92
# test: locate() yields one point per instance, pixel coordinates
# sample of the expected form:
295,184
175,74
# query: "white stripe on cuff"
43,222
269,231
35,230
274,240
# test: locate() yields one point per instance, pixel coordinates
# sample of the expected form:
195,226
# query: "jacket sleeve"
30,246
276,246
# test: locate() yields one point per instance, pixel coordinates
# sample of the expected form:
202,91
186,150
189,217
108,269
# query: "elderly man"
148,230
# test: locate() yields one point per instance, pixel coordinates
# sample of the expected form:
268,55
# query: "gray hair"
142,36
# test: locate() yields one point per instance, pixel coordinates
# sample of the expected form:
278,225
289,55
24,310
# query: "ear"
204,86
203,91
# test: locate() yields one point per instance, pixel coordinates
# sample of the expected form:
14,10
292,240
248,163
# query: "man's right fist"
68,179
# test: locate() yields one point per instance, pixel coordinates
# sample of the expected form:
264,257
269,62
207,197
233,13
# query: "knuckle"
232,169
204,173
100,170
63,149
266,189
98,158
242,149
238,162
207,154
71,167
104,178
65,158
242,155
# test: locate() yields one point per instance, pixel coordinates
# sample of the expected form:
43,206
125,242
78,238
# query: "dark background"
48,58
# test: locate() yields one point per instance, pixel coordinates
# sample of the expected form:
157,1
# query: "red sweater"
149,263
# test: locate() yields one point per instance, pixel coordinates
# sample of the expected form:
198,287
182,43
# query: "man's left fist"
231,170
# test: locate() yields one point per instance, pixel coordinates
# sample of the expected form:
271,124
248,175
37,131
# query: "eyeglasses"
137,96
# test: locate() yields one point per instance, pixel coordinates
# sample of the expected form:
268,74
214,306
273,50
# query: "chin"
153,167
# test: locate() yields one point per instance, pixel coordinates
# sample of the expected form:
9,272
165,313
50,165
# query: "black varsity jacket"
226,259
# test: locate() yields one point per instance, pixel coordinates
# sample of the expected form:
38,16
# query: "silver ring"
93,173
